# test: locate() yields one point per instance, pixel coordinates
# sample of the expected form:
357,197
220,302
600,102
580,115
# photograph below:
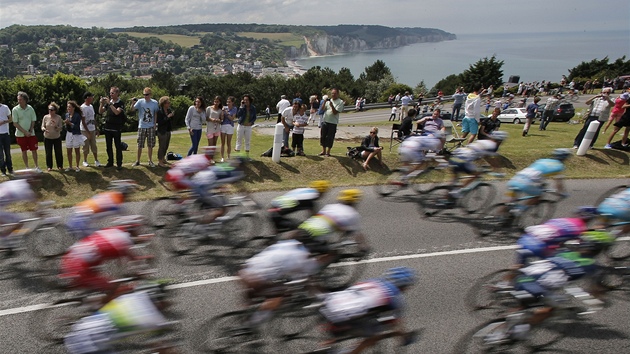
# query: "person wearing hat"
550,106
89,130
600,108
281,106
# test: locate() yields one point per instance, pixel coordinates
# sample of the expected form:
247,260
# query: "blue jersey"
542,168
617,206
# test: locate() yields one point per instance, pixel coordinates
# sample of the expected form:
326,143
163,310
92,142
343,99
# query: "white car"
513,115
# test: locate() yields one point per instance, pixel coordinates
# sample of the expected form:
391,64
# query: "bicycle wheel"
420,184
161,212
611,191
497,222
249,213
347,270
227,333
536,214
613,277
478,340
49,241
179,238
620,249
436,200
550,330
53,322
478,199
490,294
392,183
296,318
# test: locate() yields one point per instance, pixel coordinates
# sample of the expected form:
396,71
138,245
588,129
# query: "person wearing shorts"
472,110
227,127
147,113
24,119
214,120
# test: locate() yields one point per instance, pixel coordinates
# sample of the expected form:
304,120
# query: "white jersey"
332,217
287,259
206,177
413,148
476,150
192,164
355,301
15,191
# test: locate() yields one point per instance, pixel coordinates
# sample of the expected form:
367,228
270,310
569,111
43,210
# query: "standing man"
458,99
6,164
332,107
114,122
147,113
405,101
472,113
600,110
89,130
246,115
24,119
287,120
281,106
550,107
532,108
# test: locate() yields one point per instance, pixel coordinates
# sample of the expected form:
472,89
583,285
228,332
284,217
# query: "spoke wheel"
49,240
550,330
478,199
179,238
497,222
486,298
347,270
391,184
227,333
54,322
162,212
436,200
476,340
536,214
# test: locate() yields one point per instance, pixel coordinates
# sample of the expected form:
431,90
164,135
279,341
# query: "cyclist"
100,206
13,191
267,273
413,151
79,266
138,312
356,311
179,175
531,180
463,158
615,208
296,200
315,232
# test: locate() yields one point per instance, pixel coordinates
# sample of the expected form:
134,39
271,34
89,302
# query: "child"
299,122
394,111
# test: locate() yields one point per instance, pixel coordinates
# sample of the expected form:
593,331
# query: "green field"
184,41
285,39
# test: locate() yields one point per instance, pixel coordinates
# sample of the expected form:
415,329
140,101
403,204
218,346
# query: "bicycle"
404,177
610,192
511,218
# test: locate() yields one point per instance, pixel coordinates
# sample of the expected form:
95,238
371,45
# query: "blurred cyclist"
413,151
13,191
179,175
296,200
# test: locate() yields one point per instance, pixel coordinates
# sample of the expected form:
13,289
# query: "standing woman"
214,118
227,127
74,138
164,127
314,101
246,115
51,126
195,117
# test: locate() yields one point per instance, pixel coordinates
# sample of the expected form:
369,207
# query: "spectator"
267,113
6,163
599,110
195,117
432,123
472,113
490,90
51,127
321,111
392,116
246,117
550,107
489,125
420,97
397,98
288,116
74,138
488,105
332,107
147,111
227,127
24,119
115,109
458,99
406,125
164,127
404,104
89,130
214,120
440,94
314,101
617,110
506,90
281,106
371,148
390,100
532,109
623,122
298,96
299,122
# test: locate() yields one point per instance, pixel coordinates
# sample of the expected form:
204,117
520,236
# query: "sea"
531,56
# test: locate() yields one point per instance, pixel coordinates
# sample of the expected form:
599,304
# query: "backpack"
173,156
124,146
353,153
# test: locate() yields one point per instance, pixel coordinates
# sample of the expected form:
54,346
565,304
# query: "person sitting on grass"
370,148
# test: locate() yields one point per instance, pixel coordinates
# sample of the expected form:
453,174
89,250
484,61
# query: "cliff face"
325,44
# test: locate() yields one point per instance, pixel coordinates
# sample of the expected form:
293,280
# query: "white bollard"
277,143
588,137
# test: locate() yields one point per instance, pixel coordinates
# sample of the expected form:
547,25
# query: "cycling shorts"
462,166
525,185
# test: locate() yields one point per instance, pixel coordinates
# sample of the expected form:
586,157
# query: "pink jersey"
179,175
557,228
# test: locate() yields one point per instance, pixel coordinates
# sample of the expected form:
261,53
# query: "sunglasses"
147,94
372,132
51,109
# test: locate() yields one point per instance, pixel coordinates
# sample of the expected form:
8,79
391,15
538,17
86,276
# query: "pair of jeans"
195,137
546,118
115,137
49,146
6,163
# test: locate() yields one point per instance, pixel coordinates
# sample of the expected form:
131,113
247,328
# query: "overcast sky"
455,16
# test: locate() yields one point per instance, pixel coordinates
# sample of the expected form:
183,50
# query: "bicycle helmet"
586,213
561,154
124,186
499,135
209,151
350,196
321,185
401,277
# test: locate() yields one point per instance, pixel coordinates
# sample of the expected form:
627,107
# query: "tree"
165,80
375,72
485,71
35,60
421,87
447,84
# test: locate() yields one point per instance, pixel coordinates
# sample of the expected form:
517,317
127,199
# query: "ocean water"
532,56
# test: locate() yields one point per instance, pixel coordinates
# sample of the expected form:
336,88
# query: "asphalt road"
443,250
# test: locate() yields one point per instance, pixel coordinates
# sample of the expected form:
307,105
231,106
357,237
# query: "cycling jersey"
11,192
284,260
85,213
617,206
413,148
78,263
530,180
179,175
375,295
127,312
331,218
475,150
297,199
543,240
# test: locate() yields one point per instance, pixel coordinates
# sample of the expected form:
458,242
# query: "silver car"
513,115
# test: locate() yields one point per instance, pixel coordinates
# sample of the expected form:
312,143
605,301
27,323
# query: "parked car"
563,113
513,115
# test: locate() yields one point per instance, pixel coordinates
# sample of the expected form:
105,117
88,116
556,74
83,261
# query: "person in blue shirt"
532,109
147,113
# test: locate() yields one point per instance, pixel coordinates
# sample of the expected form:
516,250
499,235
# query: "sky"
454,16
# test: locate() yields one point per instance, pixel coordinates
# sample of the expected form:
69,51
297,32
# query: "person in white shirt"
281,106
6,163
89,130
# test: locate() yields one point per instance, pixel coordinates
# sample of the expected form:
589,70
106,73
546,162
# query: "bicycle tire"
391,184
536,214
478,199
620,249
53,322
474,341
162,211
484,298
346,271
551,330
613,277
177,238
225,334
611,191
249,210
49,241
419,183
436,200
497,222
296,318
